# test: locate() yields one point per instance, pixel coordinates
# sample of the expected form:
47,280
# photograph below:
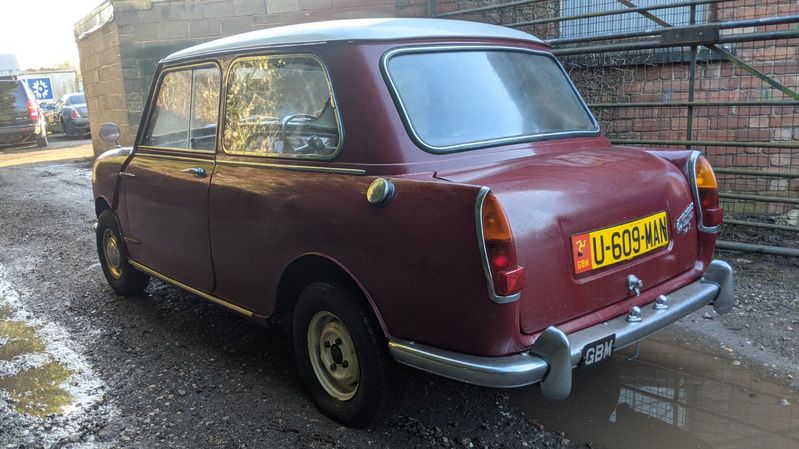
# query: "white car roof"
353,30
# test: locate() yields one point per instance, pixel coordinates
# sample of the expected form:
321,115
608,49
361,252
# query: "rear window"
454,99
12,95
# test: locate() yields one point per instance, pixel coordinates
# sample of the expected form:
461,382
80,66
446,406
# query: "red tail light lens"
33,111
710,211
506,275
74,114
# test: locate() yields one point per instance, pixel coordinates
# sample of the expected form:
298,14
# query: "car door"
280,117
165,183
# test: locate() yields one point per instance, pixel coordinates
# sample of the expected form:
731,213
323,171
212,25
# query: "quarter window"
280,106
186,110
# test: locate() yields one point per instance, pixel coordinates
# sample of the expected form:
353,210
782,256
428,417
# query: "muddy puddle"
675,394
42,375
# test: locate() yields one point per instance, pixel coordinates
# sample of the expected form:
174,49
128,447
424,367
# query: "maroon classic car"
430,192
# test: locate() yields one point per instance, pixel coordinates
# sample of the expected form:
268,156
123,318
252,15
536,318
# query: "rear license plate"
603,247
598,351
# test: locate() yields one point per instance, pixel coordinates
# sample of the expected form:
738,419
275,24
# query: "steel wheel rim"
333,356
113,258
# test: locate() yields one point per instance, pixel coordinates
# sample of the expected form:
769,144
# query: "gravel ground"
179,372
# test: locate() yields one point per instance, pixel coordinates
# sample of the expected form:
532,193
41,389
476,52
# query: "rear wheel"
67,128
341,353
42,140
120,274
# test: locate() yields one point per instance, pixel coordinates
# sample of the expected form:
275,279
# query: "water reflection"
676,394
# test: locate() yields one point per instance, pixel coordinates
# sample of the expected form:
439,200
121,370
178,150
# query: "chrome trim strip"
308,168
223,105
695,192
486,143
178,158
193,290
554,354
481,244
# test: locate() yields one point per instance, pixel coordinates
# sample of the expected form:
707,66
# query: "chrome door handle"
196,171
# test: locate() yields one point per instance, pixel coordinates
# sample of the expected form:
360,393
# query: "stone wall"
122,55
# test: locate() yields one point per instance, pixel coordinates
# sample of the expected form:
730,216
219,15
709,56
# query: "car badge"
683,223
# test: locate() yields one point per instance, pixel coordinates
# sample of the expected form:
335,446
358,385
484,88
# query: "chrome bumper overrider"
554,354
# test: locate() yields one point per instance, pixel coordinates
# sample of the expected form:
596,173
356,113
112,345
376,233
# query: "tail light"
706,194
74,114
505,277
33,111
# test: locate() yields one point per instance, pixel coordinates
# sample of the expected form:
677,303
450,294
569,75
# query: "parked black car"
70,115
21,121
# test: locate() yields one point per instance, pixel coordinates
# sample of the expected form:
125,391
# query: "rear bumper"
554,354
19,134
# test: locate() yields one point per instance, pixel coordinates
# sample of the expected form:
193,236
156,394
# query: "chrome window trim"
152,100
485,143
481,244
177,158
695,193
307,168
179,150
334,103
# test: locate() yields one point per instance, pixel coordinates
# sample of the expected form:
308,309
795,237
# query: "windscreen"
458,99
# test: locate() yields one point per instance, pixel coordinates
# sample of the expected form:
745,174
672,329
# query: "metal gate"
720,76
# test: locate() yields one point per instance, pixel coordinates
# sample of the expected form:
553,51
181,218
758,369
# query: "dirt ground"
169,370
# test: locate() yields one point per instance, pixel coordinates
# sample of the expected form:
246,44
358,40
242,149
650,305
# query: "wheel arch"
311,267
100,205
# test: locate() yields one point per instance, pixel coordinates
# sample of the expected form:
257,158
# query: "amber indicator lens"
705,178
712,212
507,276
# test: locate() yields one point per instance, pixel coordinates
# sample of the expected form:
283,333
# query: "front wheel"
121,276
341,354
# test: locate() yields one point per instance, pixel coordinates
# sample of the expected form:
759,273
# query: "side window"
205,109
186,109
280,106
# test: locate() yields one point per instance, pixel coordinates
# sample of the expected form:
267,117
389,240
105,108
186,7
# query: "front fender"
105,173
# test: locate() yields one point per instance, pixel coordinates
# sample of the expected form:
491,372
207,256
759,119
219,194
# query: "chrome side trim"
406,118
131,240
310,168
481,244
193,290
695,191
555,354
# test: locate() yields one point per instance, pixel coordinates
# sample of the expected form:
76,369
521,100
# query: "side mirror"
109,133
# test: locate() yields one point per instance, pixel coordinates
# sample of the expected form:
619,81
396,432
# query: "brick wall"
144,31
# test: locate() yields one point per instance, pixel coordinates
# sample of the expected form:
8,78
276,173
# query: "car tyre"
342,354
68,132
120,274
